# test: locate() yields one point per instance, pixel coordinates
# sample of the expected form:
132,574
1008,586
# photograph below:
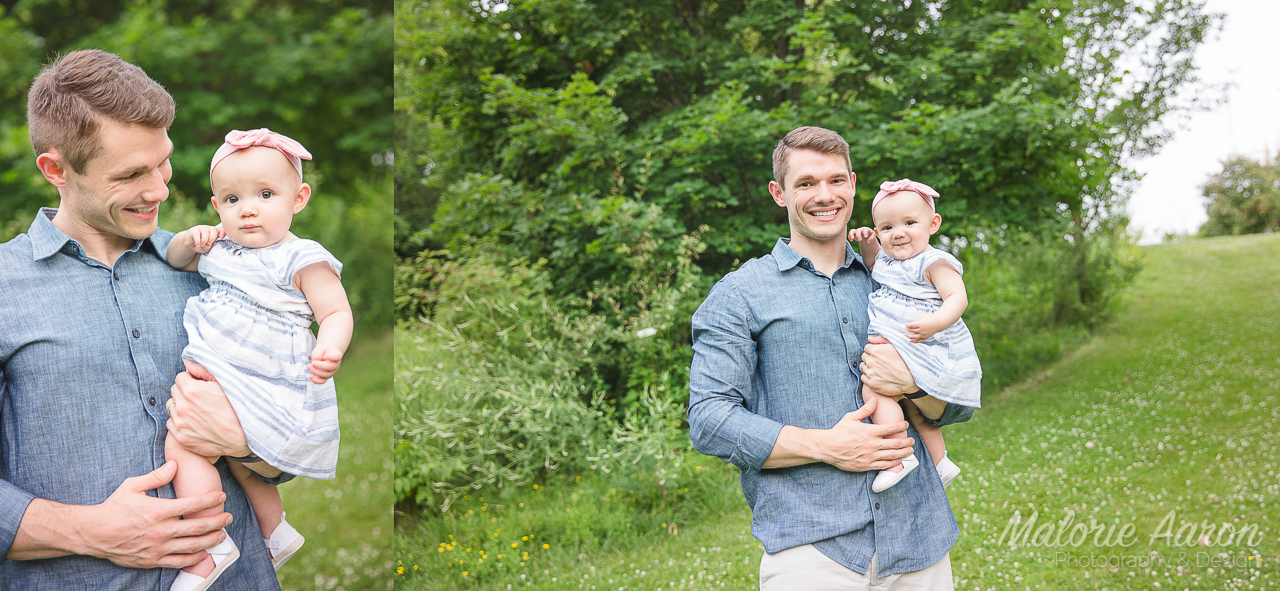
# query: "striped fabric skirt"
945,365
259,356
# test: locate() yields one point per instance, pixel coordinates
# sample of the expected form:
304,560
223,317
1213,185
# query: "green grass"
347,521
1173,407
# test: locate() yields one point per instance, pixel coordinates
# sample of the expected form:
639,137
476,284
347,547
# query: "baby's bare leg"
930,434
198,371
264,498
887,411
196,475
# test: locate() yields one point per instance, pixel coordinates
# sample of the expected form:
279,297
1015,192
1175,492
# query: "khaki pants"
804,568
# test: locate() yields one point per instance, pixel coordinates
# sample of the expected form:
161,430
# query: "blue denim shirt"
87,356
778,343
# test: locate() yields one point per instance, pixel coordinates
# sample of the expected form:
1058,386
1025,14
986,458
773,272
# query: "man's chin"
137,231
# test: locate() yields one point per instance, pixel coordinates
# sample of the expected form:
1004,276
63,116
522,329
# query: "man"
90,342
775,390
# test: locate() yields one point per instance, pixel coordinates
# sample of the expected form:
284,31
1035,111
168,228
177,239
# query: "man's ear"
53,169
776,191
304,196
934,224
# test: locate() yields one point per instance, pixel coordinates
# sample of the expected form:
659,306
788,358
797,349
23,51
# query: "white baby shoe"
886,479
223,555
283,543
947,470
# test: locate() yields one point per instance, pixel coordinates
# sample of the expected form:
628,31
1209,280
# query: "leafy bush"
500,386
1025,304
1244,198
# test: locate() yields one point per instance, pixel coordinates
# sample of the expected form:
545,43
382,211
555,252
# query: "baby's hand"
920,329
201,238
863,234
325,362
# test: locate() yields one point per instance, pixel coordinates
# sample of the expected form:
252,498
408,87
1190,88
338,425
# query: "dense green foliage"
319,72
573,177
1244,198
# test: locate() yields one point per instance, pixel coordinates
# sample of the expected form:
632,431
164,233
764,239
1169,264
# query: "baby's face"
904,223
256,192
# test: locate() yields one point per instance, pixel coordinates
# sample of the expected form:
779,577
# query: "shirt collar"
48,239
788,258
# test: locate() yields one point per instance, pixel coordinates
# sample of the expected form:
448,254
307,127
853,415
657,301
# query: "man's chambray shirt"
778,343
87,356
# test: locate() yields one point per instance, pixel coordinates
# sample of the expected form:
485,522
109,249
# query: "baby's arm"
868,247
186,247
328,301
954,301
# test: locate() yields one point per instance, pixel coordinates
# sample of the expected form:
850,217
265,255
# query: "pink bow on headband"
237,140
888,188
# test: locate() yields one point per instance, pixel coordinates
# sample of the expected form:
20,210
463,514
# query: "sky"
1246,54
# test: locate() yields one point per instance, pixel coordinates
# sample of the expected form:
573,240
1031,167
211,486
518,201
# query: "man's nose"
156,189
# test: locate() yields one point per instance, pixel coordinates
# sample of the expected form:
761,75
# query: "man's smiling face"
119,193
818,196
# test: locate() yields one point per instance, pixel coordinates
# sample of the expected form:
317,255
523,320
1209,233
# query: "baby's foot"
947,470
887,478
202,575
283,543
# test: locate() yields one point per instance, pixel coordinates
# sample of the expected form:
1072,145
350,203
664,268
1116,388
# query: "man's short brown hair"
816,139
72,95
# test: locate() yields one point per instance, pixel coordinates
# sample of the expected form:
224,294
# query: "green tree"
1021,113
316,71
1244,198
566,131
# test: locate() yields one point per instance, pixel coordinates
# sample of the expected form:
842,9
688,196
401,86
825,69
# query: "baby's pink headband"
888,188
238,140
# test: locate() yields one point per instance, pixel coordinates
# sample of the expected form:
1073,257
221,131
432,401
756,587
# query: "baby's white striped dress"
944,365
252,330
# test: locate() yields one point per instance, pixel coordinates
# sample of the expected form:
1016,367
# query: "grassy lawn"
1147,457
347,521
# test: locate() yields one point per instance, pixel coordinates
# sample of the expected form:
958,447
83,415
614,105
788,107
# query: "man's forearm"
930,407
46,532
795,447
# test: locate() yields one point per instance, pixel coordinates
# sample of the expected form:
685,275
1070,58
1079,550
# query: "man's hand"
200,238
203,421
130,528
884,371
325,362
851,445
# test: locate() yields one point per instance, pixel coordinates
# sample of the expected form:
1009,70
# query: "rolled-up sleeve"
13,500
724,361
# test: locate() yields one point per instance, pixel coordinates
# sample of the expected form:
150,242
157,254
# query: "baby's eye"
232,199
911,223
266,194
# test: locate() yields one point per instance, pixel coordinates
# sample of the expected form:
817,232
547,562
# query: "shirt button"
136,334
152,400
877,505
845,320
116,275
